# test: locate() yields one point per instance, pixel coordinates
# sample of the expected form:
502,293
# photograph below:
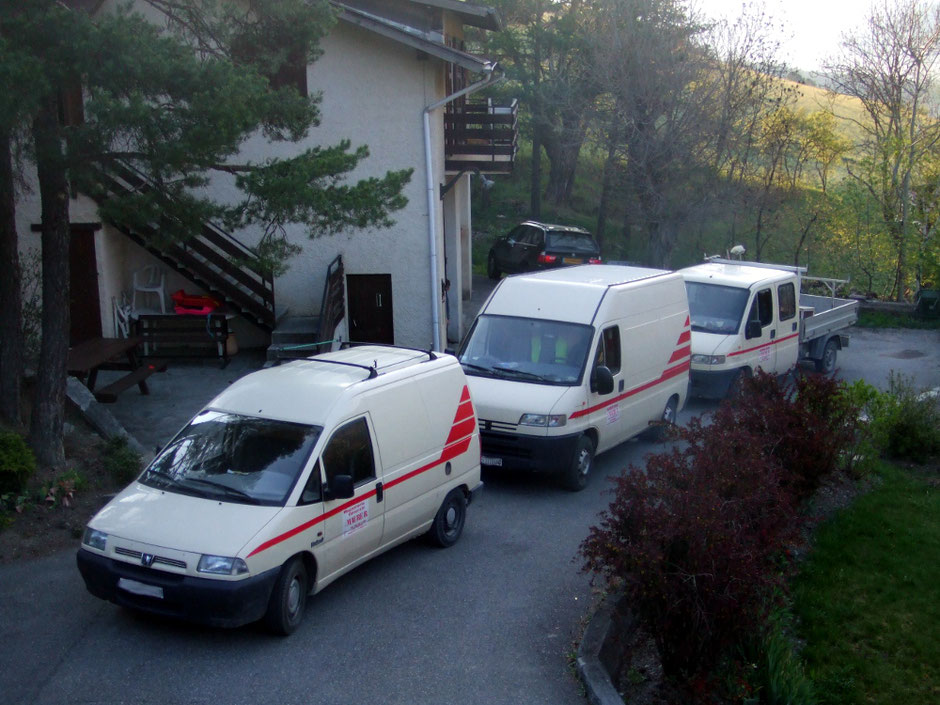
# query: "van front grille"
487,425
505,446
162,560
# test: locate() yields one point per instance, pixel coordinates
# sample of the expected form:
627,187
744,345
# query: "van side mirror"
602,380
340,487
752,329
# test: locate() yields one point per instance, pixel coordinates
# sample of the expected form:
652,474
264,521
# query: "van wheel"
827,363
288,599
492,269
575,477
657,432
449,521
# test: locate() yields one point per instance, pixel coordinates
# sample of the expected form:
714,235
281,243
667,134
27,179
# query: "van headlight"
708,359
95,539
221,565
549,420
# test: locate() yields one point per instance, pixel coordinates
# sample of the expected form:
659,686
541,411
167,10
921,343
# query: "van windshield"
234,458
714,308
527,350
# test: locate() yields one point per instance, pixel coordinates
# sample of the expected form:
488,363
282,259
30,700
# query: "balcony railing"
480,135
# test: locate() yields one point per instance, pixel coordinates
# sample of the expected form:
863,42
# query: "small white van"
570,362
291,477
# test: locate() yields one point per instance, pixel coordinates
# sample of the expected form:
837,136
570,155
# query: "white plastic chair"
150,280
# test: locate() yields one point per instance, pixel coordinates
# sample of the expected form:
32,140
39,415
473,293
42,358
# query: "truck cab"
744,318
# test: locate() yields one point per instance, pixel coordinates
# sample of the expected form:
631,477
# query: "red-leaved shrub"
694,540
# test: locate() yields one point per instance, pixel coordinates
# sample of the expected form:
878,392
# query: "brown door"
370,308
84,301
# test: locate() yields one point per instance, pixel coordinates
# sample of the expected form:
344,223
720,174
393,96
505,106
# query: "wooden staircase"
213,259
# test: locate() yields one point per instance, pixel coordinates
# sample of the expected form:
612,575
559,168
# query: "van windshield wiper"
230,491
521,373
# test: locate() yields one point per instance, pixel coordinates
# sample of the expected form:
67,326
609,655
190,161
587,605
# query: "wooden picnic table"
89,356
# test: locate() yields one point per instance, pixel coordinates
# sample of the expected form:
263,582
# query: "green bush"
120,460
17,463
908,421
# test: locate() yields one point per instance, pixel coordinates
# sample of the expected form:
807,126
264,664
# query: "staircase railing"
213,259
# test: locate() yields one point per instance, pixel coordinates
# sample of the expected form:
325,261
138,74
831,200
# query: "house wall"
373,93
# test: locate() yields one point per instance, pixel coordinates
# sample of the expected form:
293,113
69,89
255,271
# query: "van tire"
492,269
575,477
658,431
288,599
736,386
827,363
449,520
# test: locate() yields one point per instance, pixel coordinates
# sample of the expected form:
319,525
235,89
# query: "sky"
812,29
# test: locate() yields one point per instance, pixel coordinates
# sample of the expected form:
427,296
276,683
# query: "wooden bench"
174,336
109,393
88,357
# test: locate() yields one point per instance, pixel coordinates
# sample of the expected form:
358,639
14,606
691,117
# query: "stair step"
296,330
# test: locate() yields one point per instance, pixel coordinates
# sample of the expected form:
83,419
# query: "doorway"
370,308
84,299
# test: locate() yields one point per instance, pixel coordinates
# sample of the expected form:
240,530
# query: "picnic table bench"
88,357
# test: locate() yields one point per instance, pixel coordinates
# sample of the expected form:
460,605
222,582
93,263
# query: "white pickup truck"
750,315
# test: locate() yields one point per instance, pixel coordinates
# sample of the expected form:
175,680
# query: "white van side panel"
440,410
655,352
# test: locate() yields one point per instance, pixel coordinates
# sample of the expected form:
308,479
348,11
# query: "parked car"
533,246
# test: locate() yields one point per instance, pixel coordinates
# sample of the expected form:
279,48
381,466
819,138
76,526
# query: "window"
313,491
242,459
786,293
349,452
763,308
608,349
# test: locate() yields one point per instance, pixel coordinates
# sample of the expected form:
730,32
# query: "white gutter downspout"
490,79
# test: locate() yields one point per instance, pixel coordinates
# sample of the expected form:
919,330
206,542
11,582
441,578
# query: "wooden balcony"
480,135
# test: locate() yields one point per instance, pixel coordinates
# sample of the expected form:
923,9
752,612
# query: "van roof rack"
346,344
371,369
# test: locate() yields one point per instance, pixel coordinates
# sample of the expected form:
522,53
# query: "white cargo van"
751,315
567,363
291,477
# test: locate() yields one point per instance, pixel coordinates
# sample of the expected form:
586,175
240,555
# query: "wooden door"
84,299
370,308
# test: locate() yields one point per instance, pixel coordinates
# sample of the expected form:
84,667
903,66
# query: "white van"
290,478
567,363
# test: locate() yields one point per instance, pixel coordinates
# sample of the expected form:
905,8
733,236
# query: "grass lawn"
869,597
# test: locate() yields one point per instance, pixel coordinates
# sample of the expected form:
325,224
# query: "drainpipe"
491,78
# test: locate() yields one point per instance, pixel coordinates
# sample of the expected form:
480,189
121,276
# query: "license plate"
490,460
572,260
140,588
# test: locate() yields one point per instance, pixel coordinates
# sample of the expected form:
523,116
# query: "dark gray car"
532,246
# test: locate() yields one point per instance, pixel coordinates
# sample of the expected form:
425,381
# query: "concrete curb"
600,689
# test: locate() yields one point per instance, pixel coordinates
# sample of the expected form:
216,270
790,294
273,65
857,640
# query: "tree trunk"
535,183
49,406
11,293
606,186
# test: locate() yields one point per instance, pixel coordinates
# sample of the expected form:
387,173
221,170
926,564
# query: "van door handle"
621,386
773,334
379,492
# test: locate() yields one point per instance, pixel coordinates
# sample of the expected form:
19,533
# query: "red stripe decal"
457,443
684,337
680,354
667,375
763,345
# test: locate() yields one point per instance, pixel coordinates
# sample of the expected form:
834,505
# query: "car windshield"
234,458
572,241
527,350
714,308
